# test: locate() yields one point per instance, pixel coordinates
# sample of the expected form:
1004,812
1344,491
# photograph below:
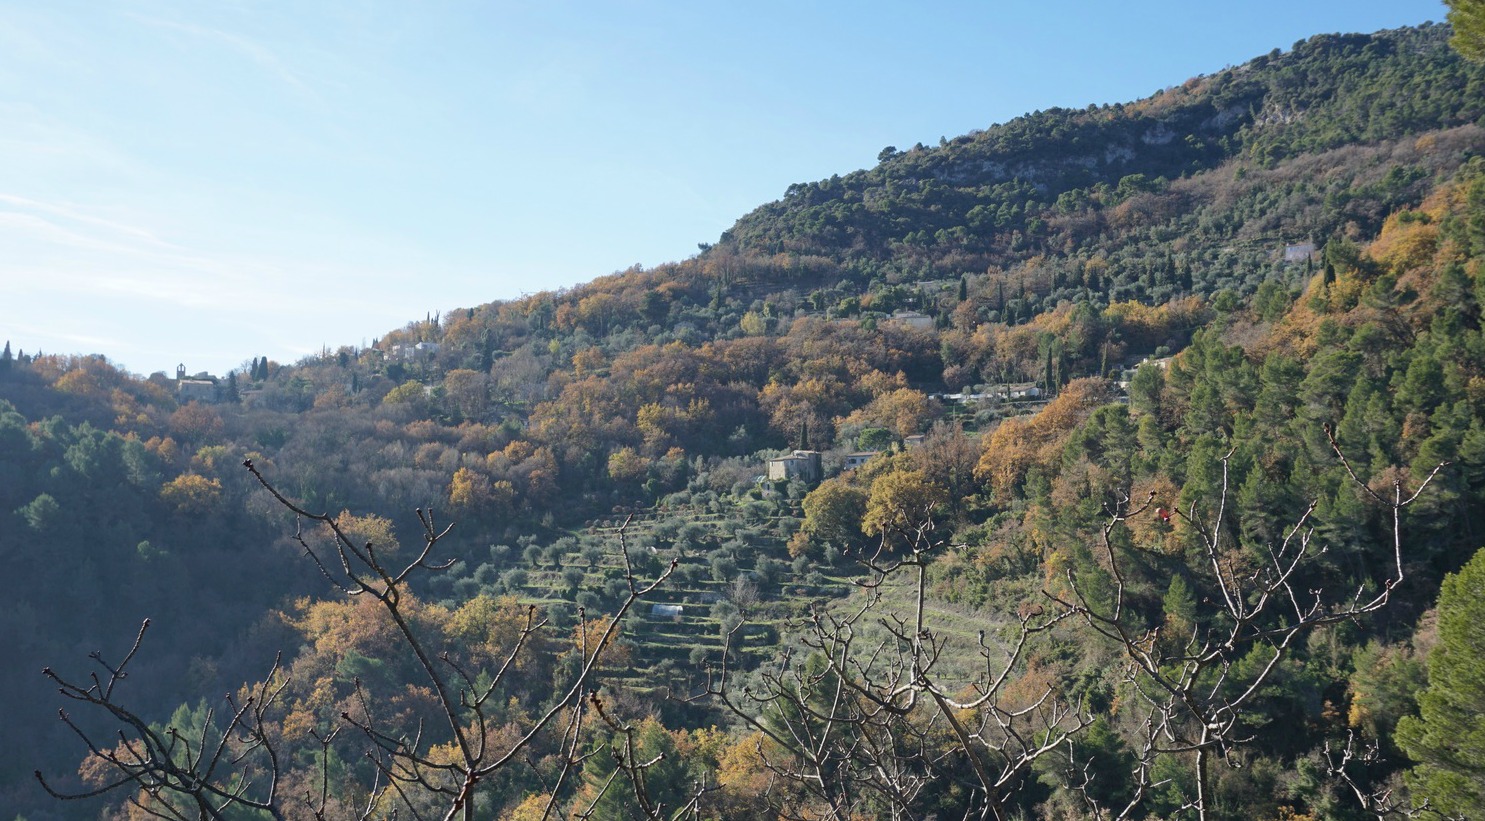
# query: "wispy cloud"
60,246
79,341
83,279
35,211
41,144
257,53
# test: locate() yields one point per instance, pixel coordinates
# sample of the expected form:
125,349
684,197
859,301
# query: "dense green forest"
1119,411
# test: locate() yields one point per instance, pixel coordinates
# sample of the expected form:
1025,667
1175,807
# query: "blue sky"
205,182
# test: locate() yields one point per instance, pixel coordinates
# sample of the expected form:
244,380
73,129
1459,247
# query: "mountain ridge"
547,425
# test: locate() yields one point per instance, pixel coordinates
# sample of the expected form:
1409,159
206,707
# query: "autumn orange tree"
870,712
454,737
869,717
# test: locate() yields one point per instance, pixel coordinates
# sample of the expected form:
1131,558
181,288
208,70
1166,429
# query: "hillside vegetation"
1202,300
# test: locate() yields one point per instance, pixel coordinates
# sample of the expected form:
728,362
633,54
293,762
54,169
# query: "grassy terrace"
728,565
726,561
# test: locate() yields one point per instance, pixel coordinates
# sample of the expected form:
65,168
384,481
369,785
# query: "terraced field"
725,568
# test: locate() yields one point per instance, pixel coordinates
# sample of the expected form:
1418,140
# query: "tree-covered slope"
1287,245
988,192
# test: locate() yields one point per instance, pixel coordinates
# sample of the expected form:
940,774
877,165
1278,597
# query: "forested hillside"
1120,413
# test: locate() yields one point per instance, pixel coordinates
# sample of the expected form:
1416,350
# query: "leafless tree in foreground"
1342,759
866,725
212,774
867,721
179,773
1191,691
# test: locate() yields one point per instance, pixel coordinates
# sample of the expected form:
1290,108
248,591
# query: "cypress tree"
487,350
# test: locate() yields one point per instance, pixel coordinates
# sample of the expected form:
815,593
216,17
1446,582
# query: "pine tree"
1447,738
1468,19
6,358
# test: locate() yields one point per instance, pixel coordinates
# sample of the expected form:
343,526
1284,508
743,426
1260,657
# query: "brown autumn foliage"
1021,444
